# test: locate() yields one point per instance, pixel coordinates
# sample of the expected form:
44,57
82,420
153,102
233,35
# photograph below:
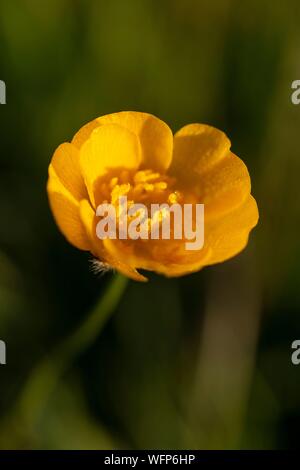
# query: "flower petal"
192,262
229,235
84,133
197,147
224,239
160,257
226,186
110,146
155,136
65,209
65,163
103,250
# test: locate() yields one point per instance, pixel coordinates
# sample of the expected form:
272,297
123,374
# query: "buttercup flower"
135,155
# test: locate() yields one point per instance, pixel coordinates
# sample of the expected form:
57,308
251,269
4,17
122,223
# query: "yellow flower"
135,154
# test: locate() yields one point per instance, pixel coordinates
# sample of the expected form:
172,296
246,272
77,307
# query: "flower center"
143,186
142,189
149,198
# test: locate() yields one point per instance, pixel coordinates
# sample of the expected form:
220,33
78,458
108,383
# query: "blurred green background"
199,362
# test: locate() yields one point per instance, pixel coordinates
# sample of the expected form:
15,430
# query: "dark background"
203,361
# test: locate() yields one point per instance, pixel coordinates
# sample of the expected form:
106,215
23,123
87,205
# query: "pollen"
145,186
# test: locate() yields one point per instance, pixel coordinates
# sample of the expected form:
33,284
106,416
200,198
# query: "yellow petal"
226,186
159,257
229,235
155,136
197,147
65,163
121,265
108,147
103,249
84,133
224,239
65,209
192,262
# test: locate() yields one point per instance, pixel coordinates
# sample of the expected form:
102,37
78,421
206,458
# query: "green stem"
46,374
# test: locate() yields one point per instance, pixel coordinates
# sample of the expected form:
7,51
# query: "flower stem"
47,373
